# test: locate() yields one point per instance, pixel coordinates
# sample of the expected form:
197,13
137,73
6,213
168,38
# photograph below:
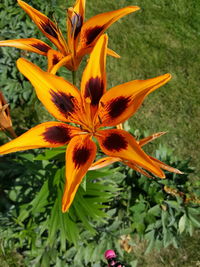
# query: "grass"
185,256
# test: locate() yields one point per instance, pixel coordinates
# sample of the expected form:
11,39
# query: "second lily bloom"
81,36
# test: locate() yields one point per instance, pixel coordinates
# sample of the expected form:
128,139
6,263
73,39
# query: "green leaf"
134,263
182,223
150,246
155,210
54,224
194,221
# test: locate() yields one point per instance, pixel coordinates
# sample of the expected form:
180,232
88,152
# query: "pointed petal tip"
162,176
168,76
20,2
64,209
179,172
20,61
135,8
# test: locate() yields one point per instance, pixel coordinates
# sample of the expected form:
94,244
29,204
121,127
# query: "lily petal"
93,83
119,143
112,53
75,20
54,57
95,26
103,162
66,61
60,97
164,166
30,44
79,8
150,138
47,134
81,152
46,26
122,101
137,168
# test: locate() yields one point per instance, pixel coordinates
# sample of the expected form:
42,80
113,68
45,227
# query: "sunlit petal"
75,20
150,138
30,44
112,53
122,101
79,8
95,26
164,166
47,26
47,134
66,61
93,83
81,152
118,143
60,98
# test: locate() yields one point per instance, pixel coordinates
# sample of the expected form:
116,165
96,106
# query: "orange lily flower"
106,161
92,108
82,36
5,119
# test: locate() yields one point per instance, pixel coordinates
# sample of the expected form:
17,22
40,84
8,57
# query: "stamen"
99,118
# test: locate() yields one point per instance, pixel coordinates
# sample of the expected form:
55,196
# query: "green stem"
74,77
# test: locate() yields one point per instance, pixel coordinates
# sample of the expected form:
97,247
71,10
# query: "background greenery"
162,37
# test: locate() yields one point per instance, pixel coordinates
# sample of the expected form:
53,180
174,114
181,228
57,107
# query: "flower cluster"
84,115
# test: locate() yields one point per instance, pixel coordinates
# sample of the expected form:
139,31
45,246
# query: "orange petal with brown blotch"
122,101
61,98
93,83
29,44
97,25
80,154
47,134
119,143
46,26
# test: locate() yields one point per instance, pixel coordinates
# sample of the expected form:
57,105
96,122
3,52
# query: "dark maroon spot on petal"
77,22
80,156
55,60
115,142
92,33
41,47
117,106
57,134
63,102
94,89
49,28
